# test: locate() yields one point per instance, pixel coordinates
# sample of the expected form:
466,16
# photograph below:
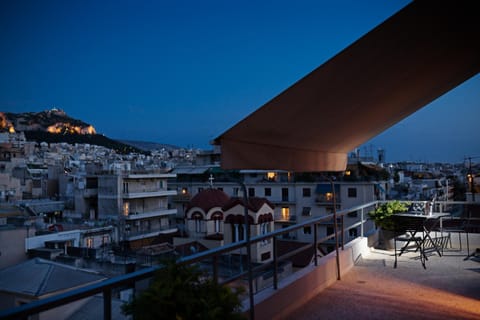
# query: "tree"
184,292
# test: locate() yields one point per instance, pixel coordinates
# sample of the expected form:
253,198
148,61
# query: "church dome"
208,199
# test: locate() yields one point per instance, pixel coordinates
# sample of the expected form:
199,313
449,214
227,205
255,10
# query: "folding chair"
410,230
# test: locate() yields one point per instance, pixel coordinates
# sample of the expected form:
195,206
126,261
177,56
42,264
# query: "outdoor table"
413,223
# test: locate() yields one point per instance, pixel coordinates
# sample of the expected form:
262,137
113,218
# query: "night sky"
183,72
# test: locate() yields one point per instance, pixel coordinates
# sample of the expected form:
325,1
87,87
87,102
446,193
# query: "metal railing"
107,286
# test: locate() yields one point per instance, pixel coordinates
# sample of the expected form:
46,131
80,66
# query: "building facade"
295,198
139,202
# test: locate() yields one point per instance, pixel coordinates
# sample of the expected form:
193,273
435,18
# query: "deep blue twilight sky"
183,72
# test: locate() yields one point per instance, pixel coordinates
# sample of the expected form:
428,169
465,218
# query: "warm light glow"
271,175
348,173
89,242
67,128
286,213
126,208
88,130
184,190
4,123
329,196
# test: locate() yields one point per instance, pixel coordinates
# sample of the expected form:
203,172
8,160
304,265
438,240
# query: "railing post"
107,304
335,225
275,264
249,249
343,232
362,230
315,244
215,268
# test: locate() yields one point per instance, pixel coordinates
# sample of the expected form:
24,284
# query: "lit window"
329,196
271,176
89,242
126,208
285,213
184,190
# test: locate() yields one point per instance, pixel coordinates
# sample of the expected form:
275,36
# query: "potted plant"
382,216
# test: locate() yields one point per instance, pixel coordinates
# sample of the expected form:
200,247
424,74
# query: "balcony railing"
142,234
145,215
291,218
214,256
149,194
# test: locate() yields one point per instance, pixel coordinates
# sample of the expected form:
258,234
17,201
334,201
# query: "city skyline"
183,73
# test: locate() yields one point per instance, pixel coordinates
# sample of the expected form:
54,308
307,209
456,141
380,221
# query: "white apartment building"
139,202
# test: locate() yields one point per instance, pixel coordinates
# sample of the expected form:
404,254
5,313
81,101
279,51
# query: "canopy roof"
415,56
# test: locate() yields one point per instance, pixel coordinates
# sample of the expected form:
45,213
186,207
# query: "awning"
415,56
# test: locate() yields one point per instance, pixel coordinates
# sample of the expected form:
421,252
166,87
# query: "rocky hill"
55,125
53,121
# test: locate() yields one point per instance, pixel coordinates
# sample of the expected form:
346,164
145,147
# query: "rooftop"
447,289
38,277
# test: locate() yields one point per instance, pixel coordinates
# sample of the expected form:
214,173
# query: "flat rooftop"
449,288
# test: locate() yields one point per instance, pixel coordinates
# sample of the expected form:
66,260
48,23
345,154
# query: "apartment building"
140,204
296,197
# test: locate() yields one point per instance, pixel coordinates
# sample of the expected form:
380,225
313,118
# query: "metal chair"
467,222
410,230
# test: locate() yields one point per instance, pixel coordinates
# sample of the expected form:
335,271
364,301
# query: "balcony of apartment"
370,287
149,233
90,192
145,174
182,198
151,214
326,200
149,194
286,218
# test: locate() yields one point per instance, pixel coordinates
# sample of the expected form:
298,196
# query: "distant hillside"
93,139
150,146
53,121
54,126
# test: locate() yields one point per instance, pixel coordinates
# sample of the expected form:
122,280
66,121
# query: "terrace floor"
449,288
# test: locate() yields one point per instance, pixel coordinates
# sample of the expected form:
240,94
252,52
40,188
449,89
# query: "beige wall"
301,286
12,246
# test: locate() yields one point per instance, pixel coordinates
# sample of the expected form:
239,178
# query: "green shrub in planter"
382,214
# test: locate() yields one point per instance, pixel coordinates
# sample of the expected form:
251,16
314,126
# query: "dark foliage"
183,292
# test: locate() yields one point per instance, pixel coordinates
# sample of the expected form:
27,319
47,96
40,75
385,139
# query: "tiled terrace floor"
448,289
